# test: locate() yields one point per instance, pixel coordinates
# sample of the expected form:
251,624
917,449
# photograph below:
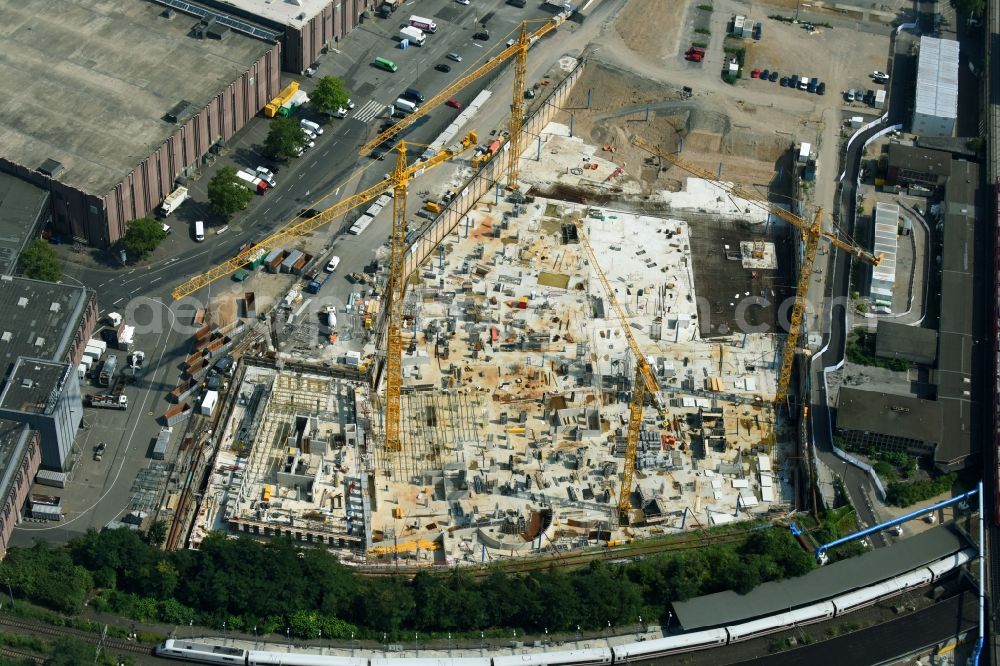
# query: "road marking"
325,153
155,279
119,301
369,111
302,174
267,210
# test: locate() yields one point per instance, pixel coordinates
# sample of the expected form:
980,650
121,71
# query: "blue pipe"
821,551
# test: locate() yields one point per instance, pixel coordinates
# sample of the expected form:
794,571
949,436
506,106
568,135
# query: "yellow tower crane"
645,382
812,233
299,227
519,51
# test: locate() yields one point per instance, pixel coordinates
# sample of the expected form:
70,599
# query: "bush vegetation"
861,350
905,493
274,586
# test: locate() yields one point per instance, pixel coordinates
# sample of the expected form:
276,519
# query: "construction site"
598,355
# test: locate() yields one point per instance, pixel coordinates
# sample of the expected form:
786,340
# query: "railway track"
21,655
110,644
572,559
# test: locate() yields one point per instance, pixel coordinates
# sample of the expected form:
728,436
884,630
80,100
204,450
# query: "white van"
310,125
199,231
405,106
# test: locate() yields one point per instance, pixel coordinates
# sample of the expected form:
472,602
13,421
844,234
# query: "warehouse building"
886,229
19,460
109,106
24,211
935,108
307,27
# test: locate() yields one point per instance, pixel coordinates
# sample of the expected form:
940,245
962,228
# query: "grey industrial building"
24,211
308,28
19,460
935,106
42,338
941,427
911,165
107,106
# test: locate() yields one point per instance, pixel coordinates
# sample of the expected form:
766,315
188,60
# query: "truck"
119,402
124,337
413,35
137,361
252,182
317,282
173,201
424,24
107,376
387,7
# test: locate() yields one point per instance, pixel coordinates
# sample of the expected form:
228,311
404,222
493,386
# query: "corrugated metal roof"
886,227
937,78
728,607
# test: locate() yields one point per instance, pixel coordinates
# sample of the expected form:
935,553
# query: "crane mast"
394,332
517,107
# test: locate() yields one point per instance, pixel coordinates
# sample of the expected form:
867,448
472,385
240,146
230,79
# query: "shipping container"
162,443
49,478
208,403
290,260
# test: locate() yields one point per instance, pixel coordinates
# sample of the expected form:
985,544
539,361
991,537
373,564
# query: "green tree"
284,138
329,94
40,262
142,236
70,652
156,534
227,194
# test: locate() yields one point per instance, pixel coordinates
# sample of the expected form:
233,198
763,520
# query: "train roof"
724,608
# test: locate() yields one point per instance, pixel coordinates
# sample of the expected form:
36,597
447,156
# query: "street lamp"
670,616
288,635
577,632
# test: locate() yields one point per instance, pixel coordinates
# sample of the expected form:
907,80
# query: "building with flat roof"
884,245
910,343
943,426
910,165
307,27
42,338
935,106
24,211
107,106
19,461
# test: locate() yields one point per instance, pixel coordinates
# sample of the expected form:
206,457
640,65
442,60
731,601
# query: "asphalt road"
856,481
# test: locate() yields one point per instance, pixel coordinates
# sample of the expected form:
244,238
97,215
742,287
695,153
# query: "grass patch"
783,19
703,31
705,8
700,45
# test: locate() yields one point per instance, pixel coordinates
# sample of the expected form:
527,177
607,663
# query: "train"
204,653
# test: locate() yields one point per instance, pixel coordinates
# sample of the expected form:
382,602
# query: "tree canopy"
329,94
142,236
39,261
227,194
284,138
278,585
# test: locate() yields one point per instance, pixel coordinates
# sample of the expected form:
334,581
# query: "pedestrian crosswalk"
369,111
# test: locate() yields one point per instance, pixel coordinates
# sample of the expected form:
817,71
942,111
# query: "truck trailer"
252,182
173,201
119,402
421,23
413,35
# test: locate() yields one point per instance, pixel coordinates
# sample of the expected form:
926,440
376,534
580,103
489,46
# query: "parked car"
333,263
482,35
764,74
442,67
454,56
880,77
511,42
849,95
755,74
793,82
454,103
813,83
773,77
821,88
783,82
462,2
